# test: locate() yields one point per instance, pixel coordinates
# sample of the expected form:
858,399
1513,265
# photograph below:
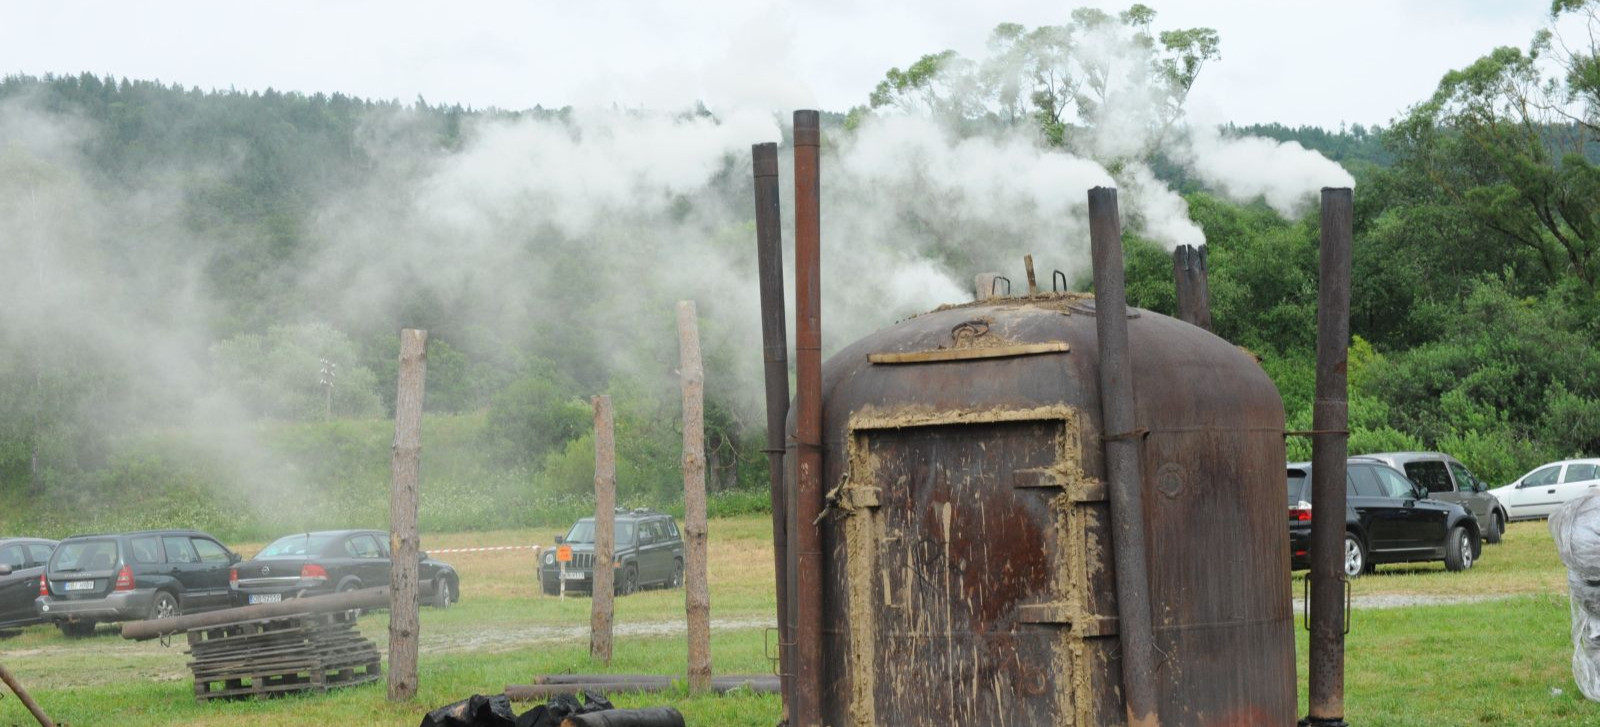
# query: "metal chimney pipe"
1329,450
1191,276
1123,477
775,357
807,708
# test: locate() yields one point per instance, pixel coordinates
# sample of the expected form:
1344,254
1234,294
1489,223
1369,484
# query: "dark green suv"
648,552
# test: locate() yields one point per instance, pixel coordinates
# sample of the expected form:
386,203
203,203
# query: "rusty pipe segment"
1329,450
1190,274
1123,477
775,359
807,711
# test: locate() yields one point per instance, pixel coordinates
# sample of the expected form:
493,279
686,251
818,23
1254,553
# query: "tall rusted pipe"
1123,477
1329,449
775,357
1190,276
807,706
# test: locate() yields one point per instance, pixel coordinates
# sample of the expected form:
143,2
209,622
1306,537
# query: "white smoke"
1285,175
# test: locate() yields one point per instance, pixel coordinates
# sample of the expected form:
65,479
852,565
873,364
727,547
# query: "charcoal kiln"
951,534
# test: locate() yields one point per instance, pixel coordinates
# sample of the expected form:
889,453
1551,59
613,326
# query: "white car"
1540,492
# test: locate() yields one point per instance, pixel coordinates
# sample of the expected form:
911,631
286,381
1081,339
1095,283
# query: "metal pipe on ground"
544,688
33,708
1329,450
1191,278
775,358
807,707
1123,476
152,629
650,717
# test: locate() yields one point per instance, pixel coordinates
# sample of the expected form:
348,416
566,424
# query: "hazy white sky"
1289,61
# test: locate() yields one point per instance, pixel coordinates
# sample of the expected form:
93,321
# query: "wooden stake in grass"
605,517
404,544
697,599
27,701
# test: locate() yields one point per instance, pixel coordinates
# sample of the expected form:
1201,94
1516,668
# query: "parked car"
1447,479
22,561
132,576
648,551
1387,519
1544,490
334,561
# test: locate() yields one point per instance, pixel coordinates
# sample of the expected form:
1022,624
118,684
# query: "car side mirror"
5,570
561,539
234,558
1419,493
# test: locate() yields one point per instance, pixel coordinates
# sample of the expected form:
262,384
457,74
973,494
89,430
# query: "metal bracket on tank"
1056,614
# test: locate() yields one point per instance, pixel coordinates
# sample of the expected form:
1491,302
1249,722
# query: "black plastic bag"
475,711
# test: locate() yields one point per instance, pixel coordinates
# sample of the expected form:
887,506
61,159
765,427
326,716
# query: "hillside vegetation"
189,266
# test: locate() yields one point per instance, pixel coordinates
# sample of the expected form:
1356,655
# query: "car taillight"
313,571
44,586
233,576
1300,512
124,579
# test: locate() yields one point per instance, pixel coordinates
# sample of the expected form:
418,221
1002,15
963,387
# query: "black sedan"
22,560
1387,519
334,561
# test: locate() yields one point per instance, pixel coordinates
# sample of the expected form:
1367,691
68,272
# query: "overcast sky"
1288,61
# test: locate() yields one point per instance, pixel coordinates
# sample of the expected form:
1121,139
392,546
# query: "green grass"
1503,661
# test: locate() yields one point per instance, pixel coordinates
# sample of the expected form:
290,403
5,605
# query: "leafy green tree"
277,375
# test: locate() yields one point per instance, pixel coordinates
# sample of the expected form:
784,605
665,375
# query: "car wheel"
165,605
677,575
76,629
630,581
442,594
1497,528
347,587
1355,556
1458,549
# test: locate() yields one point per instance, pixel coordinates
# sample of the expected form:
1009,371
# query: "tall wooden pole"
605,518
697,599
404,544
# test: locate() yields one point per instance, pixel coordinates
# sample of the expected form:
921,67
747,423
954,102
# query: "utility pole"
330,371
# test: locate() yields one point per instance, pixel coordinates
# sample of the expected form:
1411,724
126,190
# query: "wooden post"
605,518
404,543
27,701
697,599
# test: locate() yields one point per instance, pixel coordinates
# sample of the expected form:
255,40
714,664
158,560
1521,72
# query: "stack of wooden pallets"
307,652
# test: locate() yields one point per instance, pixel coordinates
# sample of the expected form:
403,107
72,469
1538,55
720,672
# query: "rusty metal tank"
967,561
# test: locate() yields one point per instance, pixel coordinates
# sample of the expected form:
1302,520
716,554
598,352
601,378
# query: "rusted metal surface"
1329,449
1191,276
809,689
775,359
963,354
1121,442
970,574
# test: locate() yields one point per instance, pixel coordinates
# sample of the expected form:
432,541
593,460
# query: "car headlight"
549,558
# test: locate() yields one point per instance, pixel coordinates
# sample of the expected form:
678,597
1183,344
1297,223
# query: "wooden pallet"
254,659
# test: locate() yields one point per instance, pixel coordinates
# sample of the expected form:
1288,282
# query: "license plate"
78,586
575,576
265,598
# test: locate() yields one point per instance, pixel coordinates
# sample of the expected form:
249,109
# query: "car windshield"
82,555
583,533
295,545
1297,485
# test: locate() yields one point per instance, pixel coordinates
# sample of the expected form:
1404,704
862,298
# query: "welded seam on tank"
856,498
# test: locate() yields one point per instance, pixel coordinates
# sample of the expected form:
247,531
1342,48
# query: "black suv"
132,576
1388,519
649,551
21,563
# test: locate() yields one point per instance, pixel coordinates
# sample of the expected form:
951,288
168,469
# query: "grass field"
1503,660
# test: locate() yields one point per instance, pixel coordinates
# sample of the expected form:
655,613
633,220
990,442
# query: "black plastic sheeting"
481,711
